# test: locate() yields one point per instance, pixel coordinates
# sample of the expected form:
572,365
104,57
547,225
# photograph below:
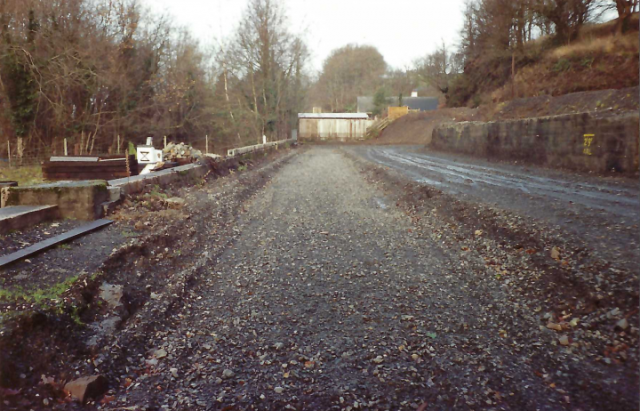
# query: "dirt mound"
416,128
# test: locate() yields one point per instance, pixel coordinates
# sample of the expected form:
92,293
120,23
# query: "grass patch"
603,45
156,191
129,234
38,296
25,175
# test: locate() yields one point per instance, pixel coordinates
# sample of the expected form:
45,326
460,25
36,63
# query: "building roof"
365,103
334,115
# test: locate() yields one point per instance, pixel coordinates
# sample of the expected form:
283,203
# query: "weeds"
129,234
38,296
75,315
155,192
587,62
562,65
603,45
25,175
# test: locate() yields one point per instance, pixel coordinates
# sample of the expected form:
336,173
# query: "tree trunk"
625,10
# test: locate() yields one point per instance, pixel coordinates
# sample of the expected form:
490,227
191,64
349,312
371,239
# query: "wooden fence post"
165,142
9,151
118,152
206,144
65,148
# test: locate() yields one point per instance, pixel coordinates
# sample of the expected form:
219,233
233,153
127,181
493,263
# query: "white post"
9,150
264,139
206,144
65,147
165,142
118,139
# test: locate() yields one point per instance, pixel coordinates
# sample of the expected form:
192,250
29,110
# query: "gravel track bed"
333,297
320,281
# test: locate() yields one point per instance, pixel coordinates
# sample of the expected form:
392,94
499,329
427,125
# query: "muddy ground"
599,213
319,280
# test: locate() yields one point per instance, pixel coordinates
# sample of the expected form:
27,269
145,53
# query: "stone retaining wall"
583,142
80,200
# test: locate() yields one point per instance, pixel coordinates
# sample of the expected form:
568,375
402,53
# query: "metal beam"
53,241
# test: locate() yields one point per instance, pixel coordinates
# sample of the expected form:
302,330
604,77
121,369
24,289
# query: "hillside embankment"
599,58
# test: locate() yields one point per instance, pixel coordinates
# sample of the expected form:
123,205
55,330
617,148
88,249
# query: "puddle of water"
380,203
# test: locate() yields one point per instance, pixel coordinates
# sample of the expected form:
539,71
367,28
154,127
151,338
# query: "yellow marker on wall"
588,140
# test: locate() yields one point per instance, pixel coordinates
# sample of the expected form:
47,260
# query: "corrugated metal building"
338,126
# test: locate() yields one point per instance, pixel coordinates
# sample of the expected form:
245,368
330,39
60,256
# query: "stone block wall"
80,200
583,142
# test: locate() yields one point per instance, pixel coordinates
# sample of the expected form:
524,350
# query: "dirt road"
331,298
605,211
326,283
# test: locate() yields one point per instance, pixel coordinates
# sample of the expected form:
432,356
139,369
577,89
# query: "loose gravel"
315,280
334,296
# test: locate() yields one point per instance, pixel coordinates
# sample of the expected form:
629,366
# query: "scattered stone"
87,387
278,390
554,326
180,151
111,294
622,324
161,353
614,313
174,372
226,374
564,340
555,253
175,202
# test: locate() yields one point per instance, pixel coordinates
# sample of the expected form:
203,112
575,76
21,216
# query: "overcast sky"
402,30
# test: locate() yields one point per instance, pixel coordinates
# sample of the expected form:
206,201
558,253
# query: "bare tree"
89,70
266,60
625,9
567,16
347,73
439,68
